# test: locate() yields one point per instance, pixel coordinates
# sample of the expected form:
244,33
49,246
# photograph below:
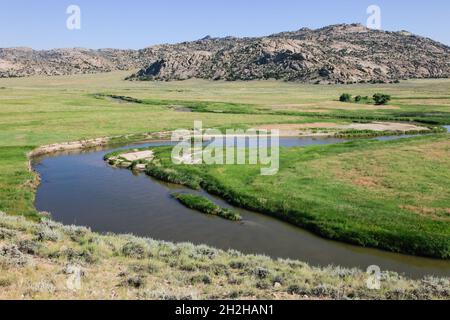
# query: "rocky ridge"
335,54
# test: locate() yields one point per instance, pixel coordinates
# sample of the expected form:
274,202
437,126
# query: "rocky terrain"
22,62
335,54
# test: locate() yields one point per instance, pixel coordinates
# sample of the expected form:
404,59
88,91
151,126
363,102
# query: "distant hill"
335,54
22,62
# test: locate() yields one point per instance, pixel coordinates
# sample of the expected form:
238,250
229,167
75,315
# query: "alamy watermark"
374,19
73,22
374,280
235,147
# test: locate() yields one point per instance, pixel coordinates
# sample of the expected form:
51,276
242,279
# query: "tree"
381,99
345,97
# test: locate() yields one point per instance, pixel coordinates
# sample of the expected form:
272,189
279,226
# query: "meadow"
391,195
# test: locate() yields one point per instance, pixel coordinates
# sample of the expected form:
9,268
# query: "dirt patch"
139,155
296,126
298,129
384,126
372,178
91,143
369,182
432,213
67,146
437,152
320,128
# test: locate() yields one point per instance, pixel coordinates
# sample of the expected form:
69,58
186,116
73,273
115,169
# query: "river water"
80,188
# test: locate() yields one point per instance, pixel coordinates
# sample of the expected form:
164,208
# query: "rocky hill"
335,54
22,62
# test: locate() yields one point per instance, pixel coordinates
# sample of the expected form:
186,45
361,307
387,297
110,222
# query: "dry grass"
126,267
329,128
393,174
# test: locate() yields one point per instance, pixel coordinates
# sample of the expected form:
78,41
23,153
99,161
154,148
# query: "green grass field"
390,195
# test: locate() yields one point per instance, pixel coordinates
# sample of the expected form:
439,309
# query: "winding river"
80,188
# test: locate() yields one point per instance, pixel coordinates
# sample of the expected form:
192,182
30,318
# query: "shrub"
381,99
76,233
343,272
205,251
11,256
345,97
5,282
298,290
278,279
229,214
238,264
205,279
145,268
261,273
234,253
134,282
436,286
235,295
262,285
325,290
133,249
43,286
47,234
6,234
362,99
186,265
234,281
218,269
29,247
86,255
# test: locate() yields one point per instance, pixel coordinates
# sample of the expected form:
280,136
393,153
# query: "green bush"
134,250
345,97
381,99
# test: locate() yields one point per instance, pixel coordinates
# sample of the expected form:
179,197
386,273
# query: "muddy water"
79,188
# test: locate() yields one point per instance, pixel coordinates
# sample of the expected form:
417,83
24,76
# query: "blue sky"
139,23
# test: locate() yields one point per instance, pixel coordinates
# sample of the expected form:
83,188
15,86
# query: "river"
80,188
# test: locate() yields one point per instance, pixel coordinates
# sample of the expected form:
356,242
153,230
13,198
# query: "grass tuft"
206,206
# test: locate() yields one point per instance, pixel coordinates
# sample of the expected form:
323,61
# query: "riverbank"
367,203
47,260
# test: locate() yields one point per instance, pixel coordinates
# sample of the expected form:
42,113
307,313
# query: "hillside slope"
335,54
47,260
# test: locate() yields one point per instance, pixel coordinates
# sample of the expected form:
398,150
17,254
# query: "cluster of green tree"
377,98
